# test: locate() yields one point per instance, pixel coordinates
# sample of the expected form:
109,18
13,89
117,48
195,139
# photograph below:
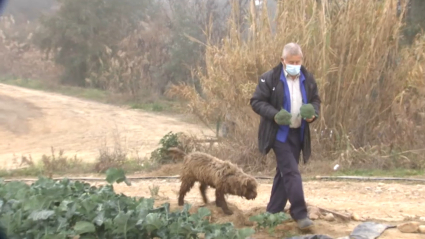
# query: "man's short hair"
291,49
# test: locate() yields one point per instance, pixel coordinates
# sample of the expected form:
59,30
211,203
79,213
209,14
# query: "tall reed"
371,87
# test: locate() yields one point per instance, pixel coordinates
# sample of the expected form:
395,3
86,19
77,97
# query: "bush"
159,155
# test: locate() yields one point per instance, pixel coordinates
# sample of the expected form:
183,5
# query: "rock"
356,217
422,219
314,213
329,217
408,227
422,229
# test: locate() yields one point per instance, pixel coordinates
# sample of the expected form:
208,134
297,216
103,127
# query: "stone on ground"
408,227
314,213
329,217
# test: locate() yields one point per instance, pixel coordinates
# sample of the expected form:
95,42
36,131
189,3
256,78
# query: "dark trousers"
287,184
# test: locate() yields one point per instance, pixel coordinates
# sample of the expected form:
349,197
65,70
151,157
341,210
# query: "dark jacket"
267,100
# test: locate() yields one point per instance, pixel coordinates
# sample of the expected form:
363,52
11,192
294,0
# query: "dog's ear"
251,183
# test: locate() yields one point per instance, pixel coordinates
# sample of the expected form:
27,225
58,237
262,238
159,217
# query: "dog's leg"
203,189
185,187
220,201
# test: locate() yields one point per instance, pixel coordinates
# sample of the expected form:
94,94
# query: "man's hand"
307,112
310,120
283,117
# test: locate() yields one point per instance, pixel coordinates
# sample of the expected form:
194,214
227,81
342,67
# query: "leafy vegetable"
82,227
307,111
269,220
64,209
283,117
114,175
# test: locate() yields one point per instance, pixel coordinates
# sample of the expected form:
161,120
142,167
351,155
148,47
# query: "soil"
389,203
31,122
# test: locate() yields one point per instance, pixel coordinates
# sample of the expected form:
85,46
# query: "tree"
82,34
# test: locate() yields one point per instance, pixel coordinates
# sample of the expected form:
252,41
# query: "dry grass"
117,154
372,88
18,56
58,163
55,163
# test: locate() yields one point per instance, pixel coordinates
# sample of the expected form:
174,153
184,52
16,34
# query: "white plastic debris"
336,167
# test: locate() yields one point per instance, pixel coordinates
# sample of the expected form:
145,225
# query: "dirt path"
31,122
390,203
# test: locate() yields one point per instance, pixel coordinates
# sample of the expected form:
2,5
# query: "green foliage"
269,220
82,34
64,209
116,175
159,155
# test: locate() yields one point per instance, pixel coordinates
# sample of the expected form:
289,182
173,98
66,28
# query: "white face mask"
293,69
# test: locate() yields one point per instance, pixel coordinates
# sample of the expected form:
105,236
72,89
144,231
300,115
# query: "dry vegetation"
371,83
372,86
19,57
129,69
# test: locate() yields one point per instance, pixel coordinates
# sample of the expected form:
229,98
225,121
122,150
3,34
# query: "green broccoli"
283,117
307,111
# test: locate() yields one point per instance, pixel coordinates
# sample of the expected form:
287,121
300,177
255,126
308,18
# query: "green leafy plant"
159,155
62,209
116,175
269,220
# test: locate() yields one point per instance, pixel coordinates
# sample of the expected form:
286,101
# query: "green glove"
307,111
283,117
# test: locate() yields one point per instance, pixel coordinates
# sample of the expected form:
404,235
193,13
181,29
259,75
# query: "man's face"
292,60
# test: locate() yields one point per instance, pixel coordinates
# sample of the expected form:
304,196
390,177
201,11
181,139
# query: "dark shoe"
305,223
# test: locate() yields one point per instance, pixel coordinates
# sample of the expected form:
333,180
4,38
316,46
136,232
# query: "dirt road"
31,122
379,202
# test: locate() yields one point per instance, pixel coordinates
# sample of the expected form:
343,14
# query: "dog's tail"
176,153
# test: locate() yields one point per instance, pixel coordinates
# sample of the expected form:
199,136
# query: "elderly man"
287,100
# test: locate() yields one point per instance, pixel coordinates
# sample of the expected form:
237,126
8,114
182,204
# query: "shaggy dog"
224,176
